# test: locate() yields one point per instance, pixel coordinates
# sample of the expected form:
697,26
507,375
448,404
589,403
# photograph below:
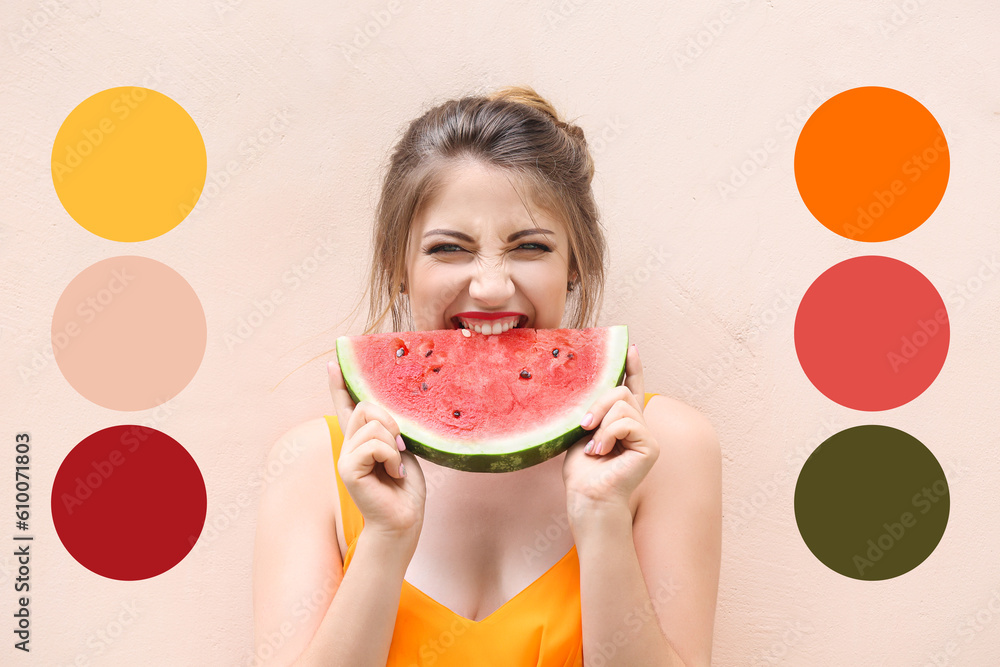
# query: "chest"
485,538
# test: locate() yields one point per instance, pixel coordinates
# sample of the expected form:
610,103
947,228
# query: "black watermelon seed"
456,413
423,386
569,356
400,352
428,353
525,374
436,369
555,352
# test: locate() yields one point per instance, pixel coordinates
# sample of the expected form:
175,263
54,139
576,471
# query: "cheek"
435,296
544,276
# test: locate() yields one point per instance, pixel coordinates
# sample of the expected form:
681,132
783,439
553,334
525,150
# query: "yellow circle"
128,164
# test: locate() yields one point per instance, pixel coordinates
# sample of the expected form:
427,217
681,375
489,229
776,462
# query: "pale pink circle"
129,333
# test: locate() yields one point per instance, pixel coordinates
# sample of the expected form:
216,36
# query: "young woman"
607,554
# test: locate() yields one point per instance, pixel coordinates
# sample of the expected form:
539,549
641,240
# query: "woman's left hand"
624,450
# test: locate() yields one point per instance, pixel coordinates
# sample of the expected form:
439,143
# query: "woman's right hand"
391,504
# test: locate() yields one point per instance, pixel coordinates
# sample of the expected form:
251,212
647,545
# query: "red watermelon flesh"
485,402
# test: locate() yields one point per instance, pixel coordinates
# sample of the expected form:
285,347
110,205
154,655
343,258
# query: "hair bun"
526,95
574,131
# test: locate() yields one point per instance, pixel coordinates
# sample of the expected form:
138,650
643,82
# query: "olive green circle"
871,502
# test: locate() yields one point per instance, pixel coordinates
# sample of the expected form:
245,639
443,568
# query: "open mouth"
522,321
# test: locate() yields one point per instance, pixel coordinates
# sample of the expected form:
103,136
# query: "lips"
478,315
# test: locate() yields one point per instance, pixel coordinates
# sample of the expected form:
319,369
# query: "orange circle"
871,164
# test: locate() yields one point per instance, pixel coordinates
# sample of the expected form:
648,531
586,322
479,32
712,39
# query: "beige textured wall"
707,283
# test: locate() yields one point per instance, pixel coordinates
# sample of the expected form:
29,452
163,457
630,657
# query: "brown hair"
513,129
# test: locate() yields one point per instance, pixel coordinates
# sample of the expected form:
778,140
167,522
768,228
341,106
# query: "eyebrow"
469,239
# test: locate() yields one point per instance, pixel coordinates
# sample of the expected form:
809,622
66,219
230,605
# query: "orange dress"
539,627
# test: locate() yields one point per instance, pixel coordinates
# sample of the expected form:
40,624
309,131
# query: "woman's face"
474,249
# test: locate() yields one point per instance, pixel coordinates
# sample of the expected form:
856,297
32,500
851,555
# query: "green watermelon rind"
509,453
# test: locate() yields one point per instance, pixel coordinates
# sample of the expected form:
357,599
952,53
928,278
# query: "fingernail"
587,418
400,445
402,470
329,366
590,446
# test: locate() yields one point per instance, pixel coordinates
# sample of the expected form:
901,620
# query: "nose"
491,286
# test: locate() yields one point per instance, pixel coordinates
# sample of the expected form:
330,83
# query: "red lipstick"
488,316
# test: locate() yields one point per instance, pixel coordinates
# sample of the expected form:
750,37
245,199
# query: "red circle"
871,333
128,502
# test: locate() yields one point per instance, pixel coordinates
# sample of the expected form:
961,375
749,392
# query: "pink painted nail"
590,446
402,470
400,445
587,418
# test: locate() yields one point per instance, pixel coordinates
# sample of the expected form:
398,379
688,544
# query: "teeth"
494,327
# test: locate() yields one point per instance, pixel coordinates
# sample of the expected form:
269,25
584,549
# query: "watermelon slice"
485,403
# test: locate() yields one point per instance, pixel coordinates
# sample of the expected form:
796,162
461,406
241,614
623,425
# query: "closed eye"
438,248
441,248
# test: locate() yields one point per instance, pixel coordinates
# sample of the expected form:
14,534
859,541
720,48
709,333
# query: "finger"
361,434
381,415
624,430
633,374
342,401
369,446
412,464
372,453
367,412
387,455
624,408
364,425
600,408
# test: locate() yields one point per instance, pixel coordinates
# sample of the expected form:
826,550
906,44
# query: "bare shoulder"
310,437
296,554
301,451
298,472
689,466
679,418
677,528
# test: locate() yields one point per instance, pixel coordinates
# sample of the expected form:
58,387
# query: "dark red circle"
128,502
871,333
